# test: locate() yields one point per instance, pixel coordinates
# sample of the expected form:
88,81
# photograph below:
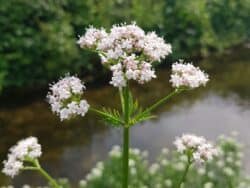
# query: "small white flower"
96,172
164,162
135,151
127,51
118,79
144,154
65,98
208,185
187,75
26,186
201,149
82,183
131,163
91,37
220,163
228,171
168,183
165,151
26,148
211,174
201,171
180,166
115,152
133,170
154,168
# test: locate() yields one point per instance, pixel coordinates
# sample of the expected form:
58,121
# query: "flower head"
65,98
26,149
199,147
128,52
187,75
91,37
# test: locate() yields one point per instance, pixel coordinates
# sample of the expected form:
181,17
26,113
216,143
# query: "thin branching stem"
184,176
36,166
161,101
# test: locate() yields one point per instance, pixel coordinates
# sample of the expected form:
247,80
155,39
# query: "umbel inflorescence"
198,148
187,75
127,51
65,98
25,150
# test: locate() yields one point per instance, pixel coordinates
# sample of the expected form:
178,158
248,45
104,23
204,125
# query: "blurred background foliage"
38,37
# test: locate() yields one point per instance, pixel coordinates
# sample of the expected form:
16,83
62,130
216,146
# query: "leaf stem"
37,167
49,178
162,100
103,114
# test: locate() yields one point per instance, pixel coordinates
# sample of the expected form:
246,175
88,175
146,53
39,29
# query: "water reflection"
72,148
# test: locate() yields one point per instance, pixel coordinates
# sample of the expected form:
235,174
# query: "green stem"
125,103
49,178
37,167
161,101
122,99
183,178
125,156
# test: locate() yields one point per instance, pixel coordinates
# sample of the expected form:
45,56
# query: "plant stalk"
183,178
162,100
125,156
49,178
51,181
125,100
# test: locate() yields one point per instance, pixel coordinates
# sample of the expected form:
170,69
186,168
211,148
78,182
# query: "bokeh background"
38,45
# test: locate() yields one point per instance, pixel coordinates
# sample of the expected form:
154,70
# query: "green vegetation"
224,171
38,38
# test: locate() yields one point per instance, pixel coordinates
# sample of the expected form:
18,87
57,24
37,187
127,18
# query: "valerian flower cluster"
187,75
127,50
65,98
25,150
200,149
129,53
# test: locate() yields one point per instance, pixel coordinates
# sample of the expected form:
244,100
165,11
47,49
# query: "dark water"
70,149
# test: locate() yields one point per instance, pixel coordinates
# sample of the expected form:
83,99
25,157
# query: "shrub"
38,38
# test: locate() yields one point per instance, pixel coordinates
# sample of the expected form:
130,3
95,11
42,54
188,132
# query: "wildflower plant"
24,156
130,54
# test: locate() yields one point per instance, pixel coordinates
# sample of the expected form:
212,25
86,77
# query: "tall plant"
130,54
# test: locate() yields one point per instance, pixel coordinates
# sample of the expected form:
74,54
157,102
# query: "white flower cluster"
187,75
96,172
116,152
127,50
65,98
201,149
26,149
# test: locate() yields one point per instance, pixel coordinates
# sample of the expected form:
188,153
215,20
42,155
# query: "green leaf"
140,117
111,117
